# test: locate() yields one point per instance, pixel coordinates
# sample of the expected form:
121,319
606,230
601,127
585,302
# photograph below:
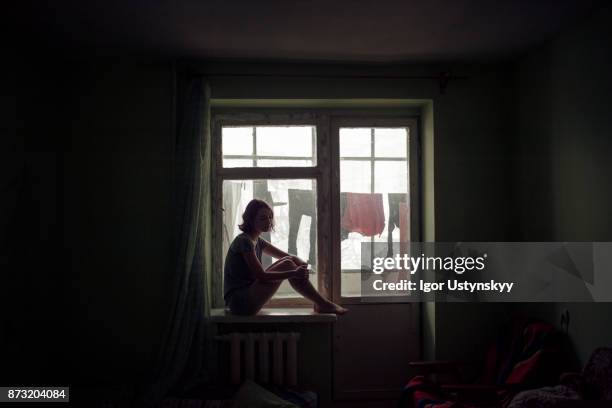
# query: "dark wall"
563,170
31,299
563,166
89,223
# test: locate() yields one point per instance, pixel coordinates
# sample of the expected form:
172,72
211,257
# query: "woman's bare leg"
305,288
322,304
275,266
260,291
301,286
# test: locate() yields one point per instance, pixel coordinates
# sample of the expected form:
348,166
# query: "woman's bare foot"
330,308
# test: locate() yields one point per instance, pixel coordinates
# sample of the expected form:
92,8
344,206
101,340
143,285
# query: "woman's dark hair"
250,212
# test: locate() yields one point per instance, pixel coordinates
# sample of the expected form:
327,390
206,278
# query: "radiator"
251,352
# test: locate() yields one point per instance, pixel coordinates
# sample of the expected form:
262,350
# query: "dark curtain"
181,361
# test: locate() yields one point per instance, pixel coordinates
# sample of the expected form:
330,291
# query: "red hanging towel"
364,213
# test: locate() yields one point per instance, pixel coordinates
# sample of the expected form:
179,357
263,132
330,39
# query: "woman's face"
263,220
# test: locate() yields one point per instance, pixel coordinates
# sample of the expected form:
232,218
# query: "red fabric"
523,369
528,353
420,393
364,213
523,354
530,364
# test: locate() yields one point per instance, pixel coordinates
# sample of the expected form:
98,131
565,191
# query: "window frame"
326,174
414,169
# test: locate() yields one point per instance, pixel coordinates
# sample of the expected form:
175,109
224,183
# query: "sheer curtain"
182,354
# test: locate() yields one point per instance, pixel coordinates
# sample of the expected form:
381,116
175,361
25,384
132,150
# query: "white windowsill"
275,315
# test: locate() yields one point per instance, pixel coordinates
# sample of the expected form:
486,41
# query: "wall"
563,165
473,199
91,233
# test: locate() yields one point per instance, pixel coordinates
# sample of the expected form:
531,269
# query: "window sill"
276,315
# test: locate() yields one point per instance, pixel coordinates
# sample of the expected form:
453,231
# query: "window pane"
285,141
391,176
355,176
237,163
351,251
273,144
294,205
379,211
391,142
237,140
355,142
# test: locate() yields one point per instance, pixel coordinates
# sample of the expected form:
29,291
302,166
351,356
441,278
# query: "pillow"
251,395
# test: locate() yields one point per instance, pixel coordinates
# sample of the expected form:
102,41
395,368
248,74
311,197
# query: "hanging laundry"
395,200
343,231
364,213
302,202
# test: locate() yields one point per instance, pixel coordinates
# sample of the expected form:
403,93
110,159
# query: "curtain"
232,194
181,358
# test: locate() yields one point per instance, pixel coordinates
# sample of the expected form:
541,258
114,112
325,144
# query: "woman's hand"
302,272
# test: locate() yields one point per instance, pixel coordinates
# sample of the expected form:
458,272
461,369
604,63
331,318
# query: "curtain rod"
443,78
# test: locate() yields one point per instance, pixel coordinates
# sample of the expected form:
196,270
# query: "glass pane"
391,142
355,176
237,163
285,141
273,144
374,207
237,140
355,142
391,176
351,251
294,205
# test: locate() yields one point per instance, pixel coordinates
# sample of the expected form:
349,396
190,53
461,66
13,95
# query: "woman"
247,285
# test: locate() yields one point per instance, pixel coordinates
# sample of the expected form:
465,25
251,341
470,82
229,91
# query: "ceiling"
313,30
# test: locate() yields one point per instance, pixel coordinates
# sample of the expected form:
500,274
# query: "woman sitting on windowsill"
247,285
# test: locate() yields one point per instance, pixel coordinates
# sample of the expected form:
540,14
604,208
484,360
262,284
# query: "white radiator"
248,351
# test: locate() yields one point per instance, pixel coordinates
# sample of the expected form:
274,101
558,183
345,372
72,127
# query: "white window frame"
326,172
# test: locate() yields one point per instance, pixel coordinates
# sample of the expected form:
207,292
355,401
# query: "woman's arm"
259,273
278,253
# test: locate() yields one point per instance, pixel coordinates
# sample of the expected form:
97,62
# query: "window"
374,196
334,182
